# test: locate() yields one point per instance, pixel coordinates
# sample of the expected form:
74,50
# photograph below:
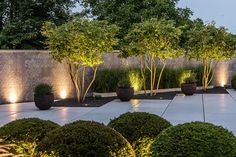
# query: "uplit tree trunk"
208,73
143,73
160,75
78,76
151,65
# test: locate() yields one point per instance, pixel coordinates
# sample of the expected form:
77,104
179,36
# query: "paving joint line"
231,95
167,107
203,108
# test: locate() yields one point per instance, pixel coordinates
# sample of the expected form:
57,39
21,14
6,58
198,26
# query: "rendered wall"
22,70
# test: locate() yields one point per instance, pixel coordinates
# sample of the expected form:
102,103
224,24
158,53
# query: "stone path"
219,109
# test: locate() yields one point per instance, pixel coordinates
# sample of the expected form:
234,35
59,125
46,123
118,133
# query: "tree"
21,21
80,43
125,13
209,44
154,41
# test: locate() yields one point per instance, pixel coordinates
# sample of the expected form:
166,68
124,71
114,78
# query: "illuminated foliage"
209,44
154,41
80,43
25,134
139,129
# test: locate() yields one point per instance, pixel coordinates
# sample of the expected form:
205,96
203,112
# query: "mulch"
99,101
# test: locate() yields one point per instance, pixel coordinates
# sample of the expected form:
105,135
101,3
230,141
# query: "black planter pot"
233,84
188,89
125,94
44,102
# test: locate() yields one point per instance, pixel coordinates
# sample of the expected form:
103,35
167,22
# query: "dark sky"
223,12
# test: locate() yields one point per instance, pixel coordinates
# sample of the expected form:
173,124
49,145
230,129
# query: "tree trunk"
78,80
142,69
160,76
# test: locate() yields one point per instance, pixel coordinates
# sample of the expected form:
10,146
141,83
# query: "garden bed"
99,101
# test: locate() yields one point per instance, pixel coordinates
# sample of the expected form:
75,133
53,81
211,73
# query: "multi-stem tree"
154,41
80,43
209,44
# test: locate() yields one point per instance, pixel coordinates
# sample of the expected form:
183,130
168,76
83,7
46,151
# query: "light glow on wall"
63,94
222,74
12,97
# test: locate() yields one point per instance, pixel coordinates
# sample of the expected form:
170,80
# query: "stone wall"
22,70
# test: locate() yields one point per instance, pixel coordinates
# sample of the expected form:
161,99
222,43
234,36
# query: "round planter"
188,89
233,84
44,102
125,94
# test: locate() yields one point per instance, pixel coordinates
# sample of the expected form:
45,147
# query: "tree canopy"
209,44
154,41
80,43
125,13
21,21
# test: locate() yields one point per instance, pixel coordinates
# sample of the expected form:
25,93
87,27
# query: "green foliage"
124,83
206,42
196,139
234,77
107,79
43,89
81,43
156,38
190,80
154,41
21,21
125,13
139,129
5,149
210,45
135,80
26,133
188,76
85,139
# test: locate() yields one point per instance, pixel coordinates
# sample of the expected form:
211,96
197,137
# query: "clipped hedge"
26,133
196,139
85,139
107,79
139,129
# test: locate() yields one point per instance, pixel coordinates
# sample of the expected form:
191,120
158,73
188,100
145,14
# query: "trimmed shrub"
196,139
85,139
43,89
139,129
26,133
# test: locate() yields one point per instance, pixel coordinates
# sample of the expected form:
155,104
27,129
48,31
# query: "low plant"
85,139
190,80
196,139
107,79
43,89
6,148
234,77
124,83
26,134
135,80
139,129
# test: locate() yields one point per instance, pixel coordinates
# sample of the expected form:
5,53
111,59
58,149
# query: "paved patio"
219,109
